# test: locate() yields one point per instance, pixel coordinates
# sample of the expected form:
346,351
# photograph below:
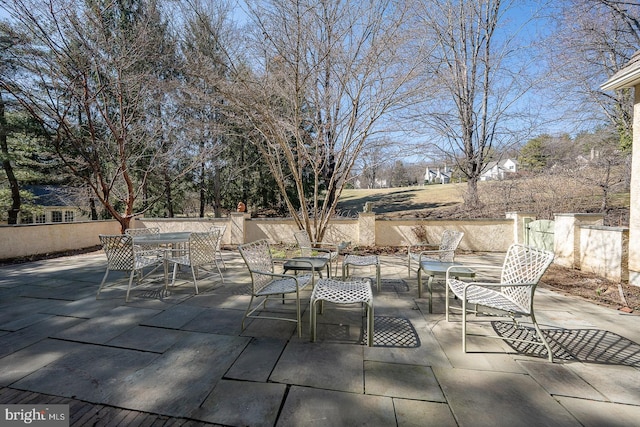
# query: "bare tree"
324,76
91,78
593,40
483,72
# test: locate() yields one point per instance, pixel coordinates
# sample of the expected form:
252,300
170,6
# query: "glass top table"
433,268
162,238
307,264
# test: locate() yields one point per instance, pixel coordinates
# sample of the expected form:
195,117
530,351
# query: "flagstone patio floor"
175,358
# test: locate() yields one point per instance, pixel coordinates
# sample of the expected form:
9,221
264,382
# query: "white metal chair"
265,283
446,251
309,248
361,261
220,229
520,273
123,255
200,253
141,232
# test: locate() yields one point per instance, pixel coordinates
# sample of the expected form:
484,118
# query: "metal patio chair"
317,249
265,283
445,253
520,273
220,229
123,255
198,254
141,232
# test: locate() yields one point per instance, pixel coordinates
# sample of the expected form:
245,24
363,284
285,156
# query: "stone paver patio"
174,358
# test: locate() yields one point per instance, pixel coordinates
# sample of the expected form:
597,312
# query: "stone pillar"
366,229
237,228
634,215
520,221
566,237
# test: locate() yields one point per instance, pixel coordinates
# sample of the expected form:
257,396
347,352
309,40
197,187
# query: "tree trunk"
6,164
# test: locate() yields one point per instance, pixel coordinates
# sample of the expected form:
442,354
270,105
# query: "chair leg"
378,277
446,300
464,322
299,322
370,319
312,320
104,279
195,283
133,272
173,277
542,338
246,313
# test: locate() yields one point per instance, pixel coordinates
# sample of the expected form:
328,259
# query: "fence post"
237,228
367,229
520,221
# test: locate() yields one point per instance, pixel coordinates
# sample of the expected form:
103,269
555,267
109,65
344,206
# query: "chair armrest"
419,245
148,252
473,267
318,246
434,252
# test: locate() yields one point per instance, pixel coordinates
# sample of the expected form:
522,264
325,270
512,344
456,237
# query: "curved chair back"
257,256
448,245
524,265
142,231
302,238
119,251
202,248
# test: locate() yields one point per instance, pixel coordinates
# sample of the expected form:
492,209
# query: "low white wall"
18,241
566,237
580,239
604,251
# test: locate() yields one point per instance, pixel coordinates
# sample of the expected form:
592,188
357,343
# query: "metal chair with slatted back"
446,251
520,273
265,283
317,249
122,255
200,253
220,229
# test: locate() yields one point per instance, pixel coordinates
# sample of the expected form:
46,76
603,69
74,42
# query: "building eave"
627,77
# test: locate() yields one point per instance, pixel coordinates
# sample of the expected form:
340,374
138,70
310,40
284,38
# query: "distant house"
437,176
499,170
55,203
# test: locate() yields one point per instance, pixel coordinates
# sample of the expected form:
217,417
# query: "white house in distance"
499,170
437,176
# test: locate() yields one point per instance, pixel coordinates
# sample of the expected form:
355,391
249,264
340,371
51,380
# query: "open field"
403,199
542,197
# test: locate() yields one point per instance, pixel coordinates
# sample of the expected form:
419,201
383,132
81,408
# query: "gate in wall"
539,234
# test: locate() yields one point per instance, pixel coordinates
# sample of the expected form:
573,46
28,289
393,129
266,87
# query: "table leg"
430,287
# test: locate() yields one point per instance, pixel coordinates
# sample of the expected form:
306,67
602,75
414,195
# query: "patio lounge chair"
265,283
445,253
199,253
513,294
307,248
123,255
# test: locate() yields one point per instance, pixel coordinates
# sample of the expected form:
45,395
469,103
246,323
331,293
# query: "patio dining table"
160,239
169,238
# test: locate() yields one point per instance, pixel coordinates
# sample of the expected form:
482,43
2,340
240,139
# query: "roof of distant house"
51,195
